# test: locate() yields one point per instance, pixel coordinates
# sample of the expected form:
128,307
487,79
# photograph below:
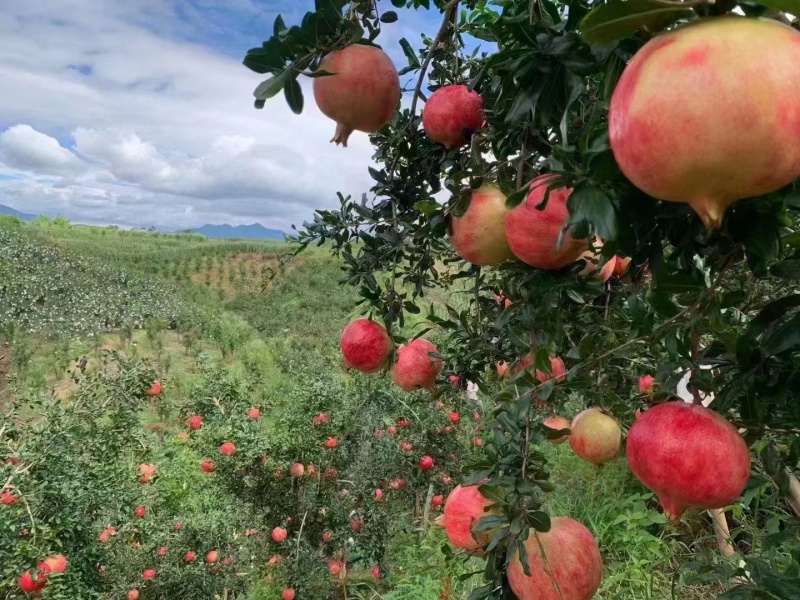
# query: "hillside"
256,231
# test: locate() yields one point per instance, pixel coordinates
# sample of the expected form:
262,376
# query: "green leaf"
540,521
590,204
772,312
389,17
270,87
413,61
789,6
294,96
618,19
785,337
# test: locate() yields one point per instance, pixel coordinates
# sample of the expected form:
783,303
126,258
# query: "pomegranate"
327,536
533,234
189,557
365,345
406,446
8,498
355,525
455,381
335,568
452,114
56,563
363,92
148,574
320,419
378,434
426,463
162,551
140,511
502,369
133,594
297,470
464,507
454,417
689,455
331,443
479,235
403,422
253,413
738,139
227,449
29,584
595,437
195,422
207,466
178,525
155,389
378,494
557,370
477,442
570,569
331,473
557,423
415,368
375,571
147,473
647,384
279,534
392,430
212,556
288,594
437,501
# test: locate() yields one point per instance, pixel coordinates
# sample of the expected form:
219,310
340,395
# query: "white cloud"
153,131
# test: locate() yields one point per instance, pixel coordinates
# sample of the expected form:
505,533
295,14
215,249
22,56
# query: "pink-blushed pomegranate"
288,594
335,568
455,381
454,417
147,473
212,556
297,470
140,512
228,449
533,234
406,446
55,564
375,571
356,524
595,437
378,434
392,430
464,507
415,368
154,389
557,423
162,551
557,370
207,466
195,422
149,574
647,384
327,536
502,369
403,422
365,345
320,419
279,534
479,235
331,443
452,114
253,413
378,495
569,569
738,139
426,463
363,93
689,455
190,557
477,442
178,525
133,594
275,559
30,584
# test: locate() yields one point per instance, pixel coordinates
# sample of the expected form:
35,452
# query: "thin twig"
299,536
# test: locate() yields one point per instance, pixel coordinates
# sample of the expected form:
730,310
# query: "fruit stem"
708,209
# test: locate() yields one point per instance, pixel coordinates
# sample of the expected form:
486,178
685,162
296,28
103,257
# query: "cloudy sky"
139,113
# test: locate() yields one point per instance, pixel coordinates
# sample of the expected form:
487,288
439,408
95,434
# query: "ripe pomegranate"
320,419
208,466
147,473
212,556
253,413
406,446
279,534
133,594
155,389
378,495
327,536
502,369
162,551
275,559
595,437
533,234
8,498
437,501
140,512
647,384
415,368
557,423
29,584
738,139
335,568
195,422
455,381
452,114
227,449
148,574
375,571
331,473
392,430
557,370
403,422
331,443
426,463
365,345
190,557
479,235
355,525
477,442
464,507
362,94
571,568
378,434
297,470
689,455
454,417
55,564
311,470
288,594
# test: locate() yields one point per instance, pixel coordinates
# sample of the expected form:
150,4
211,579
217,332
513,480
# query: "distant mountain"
256,231
8,211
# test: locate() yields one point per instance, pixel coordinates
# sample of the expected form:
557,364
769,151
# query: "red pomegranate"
253,413
212,556
207,466
479,235
375,571
362,94
595,437
195,422
133,594
689,455
288,594
279,534
189,557
647,384
162,551
454,417
320,419
297,470
378,495
452,114
29,584
415,368
464,507
437,501
365,345
557,423
331,443
533,234
571,568
228,449
557,370
426,463
56,563
140,512
738,139
148,574
155,389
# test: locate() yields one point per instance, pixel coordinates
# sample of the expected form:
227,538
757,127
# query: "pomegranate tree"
689,455
533,234
478,236
362,93
596,437
737,139
365,345
564,564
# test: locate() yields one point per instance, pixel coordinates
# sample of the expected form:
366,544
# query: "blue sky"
140,113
